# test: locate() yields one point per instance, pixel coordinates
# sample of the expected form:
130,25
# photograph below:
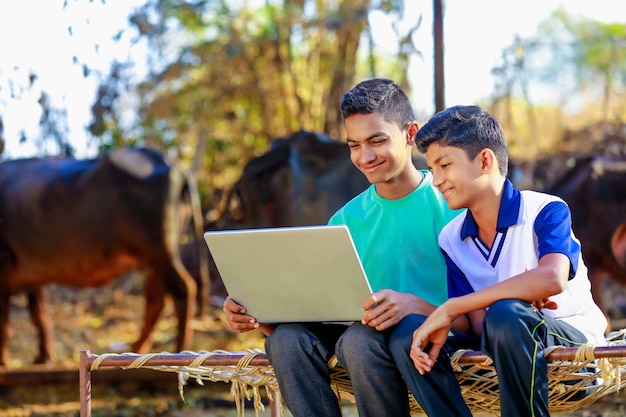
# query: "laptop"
292,274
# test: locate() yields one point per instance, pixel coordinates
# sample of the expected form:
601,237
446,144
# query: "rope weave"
573,383
141,361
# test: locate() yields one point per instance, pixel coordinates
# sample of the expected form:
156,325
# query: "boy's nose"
367,154
437,179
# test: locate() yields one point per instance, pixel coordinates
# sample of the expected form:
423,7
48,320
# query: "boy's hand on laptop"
237,318
386,308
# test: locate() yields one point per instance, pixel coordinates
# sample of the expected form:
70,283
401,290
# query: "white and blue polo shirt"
524,217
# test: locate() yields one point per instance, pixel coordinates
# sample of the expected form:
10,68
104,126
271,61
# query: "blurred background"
214,82
245,93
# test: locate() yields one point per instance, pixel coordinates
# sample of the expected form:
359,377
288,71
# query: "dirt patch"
108,319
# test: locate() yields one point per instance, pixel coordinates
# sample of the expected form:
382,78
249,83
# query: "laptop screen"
292,274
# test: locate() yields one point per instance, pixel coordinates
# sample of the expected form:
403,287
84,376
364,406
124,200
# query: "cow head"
301,180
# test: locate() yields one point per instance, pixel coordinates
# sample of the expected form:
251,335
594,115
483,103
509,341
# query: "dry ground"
108,319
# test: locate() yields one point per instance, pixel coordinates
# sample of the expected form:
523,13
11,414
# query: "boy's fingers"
433,353
372,301
421,361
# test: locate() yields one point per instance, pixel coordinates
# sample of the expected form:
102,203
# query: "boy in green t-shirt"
394,224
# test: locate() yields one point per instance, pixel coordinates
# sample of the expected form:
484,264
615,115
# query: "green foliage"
596,51
581,62
230,76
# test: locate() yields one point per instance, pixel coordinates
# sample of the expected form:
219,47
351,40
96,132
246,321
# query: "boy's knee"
503,312
284,338
355,339
505,317
360,344
402,336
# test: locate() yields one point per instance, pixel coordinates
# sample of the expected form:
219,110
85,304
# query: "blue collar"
507,215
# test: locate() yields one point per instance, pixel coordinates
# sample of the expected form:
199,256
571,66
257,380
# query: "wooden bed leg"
85,385
275,406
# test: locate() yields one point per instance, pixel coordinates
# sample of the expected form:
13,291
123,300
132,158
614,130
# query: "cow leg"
160,281
38,307
182,287
154,292
40,316
5,351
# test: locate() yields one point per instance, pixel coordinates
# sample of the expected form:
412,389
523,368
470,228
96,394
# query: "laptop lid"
292,274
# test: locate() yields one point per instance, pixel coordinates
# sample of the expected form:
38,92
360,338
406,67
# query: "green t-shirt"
397,239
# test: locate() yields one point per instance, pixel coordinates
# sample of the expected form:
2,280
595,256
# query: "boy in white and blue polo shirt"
515,268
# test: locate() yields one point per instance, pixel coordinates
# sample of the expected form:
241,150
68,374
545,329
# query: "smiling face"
458,178
379,149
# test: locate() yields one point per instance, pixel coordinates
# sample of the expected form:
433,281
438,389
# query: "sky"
475,32
40,41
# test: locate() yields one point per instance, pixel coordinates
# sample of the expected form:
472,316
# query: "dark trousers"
515,335
300,352
437,392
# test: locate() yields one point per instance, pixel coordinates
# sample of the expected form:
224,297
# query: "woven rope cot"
577,376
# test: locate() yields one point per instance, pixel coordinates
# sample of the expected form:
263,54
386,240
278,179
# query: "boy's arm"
549,278
386,308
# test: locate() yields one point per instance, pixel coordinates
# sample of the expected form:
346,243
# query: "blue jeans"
299,354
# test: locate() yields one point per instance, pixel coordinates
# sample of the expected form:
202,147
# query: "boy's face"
455,175
380,150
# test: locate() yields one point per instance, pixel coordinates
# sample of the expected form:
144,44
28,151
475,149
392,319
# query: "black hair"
379,95
470,128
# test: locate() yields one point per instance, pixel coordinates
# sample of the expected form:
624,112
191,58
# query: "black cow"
302,180
595,189
84,223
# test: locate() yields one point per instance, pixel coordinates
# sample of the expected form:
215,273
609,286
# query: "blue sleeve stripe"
553,227
458,284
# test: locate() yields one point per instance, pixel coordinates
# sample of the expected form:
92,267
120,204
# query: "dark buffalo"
302,180
84,223
595,189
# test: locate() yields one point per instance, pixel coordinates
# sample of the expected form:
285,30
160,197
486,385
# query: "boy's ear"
488,160
411,130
